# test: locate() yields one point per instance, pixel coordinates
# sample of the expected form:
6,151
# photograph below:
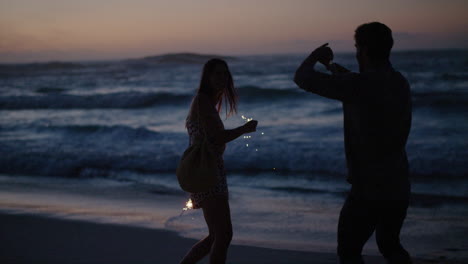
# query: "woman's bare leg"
198,251
218,218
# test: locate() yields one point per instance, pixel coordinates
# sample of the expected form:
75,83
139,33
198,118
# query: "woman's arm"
209,119
227,135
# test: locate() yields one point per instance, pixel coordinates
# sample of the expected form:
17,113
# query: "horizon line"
213,55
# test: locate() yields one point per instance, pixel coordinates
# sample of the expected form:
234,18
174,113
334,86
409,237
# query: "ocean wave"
435,200
306,190
259,93
454,76
455,99
50,89
99,152
73,150
55,98
21,69
70,150
97,69
111,100
112,132
81,162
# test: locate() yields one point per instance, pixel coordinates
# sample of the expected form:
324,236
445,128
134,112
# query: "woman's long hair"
229,95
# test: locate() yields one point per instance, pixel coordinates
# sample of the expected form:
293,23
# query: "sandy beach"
38,239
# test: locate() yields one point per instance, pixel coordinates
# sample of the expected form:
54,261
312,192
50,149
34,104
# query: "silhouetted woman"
216,88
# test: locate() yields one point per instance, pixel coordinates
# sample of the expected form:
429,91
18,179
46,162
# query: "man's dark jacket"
377,121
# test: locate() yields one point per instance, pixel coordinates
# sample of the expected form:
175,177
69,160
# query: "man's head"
373,43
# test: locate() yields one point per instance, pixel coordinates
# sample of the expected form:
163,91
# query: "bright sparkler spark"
246,118
188,205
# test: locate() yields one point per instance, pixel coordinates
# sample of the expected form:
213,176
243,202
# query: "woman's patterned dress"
204,119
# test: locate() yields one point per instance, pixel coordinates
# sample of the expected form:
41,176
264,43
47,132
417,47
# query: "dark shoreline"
29,238
39,239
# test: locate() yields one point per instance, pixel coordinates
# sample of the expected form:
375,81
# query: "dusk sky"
45,30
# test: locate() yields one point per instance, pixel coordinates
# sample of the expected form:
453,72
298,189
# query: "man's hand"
322,54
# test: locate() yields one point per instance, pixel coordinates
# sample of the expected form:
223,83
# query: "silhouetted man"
377,121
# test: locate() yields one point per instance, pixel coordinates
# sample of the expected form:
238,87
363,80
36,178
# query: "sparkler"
188,206
246,119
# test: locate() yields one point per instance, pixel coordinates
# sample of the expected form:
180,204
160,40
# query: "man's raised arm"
340,86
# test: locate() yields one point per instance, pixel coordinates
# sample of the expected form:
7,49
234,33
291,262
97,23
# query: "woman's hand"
250,126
